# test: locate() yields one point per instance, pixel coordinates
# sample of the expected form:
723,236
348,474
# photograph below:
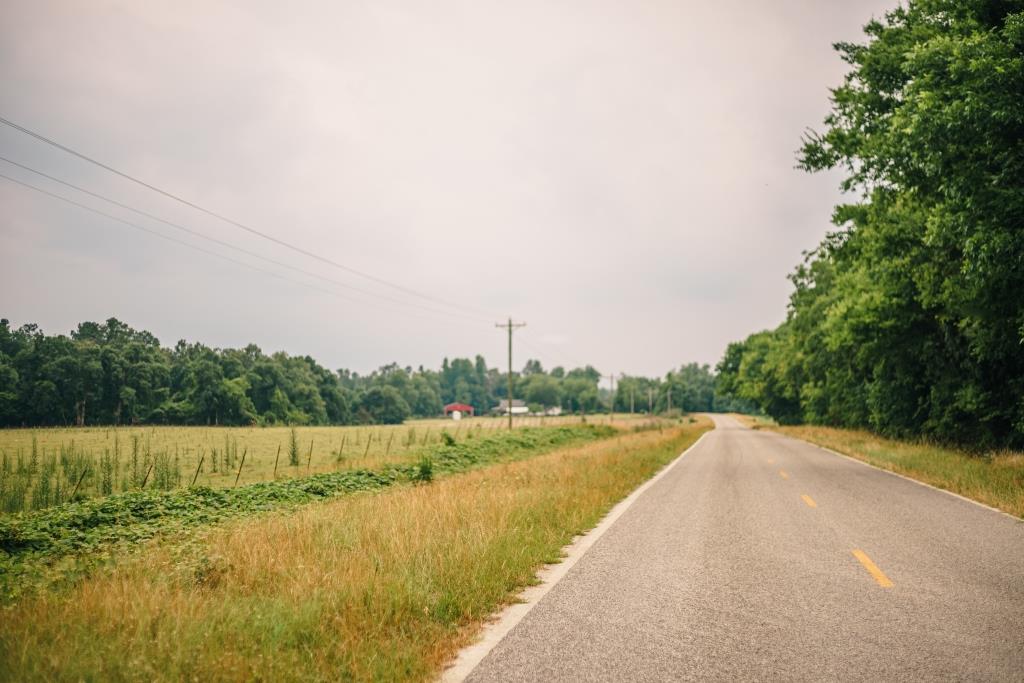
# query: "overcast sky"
618,174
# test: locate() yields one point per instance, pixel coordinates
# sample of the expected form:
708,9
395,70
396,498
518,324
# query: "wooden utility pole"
632,404
510,326
650,400
670,399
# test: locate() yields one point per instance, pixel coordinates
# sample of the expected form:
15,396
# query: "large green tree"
909,319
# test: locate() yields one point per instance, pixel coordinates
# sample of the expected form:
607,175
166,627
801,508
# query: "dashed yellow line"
810,501
771,461
782,473
876,573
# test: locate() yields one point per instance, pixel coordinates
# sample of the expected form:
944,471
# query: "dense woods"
909,318
109,373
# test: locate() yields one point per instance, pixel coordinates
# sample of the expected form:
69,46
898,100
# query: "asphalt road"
759,557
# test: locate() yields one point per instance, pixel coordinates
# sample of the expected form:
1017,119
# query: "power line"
510,325
472,311
159,234
237,224
177,241
242,250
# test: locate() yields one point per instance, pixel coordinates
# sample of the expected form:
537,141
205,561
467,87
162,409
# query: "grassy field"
44,467
381,586
996,479
48,548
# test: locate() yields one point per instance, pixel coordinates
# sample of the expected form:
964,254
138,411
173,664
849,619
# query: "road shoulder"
502,623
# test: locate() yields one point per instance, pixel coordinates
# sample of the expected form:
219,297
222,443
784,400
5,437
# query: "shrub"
293,448
424,471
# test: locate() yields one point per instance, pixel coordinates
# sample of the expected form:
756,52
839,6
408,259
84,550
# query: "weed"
424,471
293,448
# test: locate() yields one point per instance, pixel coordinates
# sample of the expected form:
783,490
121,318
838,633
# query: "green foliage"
691,388
110,374
384,405
542,390
909,320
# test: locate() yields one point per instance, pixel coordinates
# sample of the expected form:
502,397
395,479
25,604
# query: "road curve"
760,557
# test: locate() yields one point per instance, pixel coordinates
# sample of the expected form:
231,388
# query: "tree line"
108,373
908,319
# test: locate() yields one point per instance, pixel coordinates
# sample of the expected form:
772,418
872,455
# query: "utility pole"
650,400
631,402
510,326
670,399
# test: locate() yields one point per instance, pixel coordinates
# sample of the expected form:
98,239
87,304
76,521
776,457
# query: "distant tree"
533,367
8,391
692,389
542,390
109,373
385,405
580,393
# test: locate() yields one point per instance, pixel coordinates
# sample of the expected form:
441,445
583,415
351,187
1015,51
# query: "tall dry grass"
996,479
371,587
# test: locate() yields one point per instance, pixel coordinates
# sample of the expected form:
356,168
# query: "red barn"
461,407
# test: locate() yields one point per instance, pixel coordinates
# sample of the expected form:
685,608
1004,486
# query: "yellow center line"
810,501
782,473
771,461
873,569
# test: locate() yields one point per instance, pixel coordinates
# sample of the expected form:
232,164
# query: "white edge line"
902,476
470,656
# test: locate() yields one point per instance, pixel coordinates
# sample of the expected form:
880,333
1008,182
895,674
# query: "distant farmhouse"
518,407
457,410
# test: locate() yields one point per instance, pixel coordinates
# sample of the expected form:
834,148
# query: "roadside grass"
756,421
377,586
56,545
995,479
41,467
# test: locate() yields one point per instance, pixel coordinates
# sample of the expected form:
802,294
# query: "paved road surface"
740,565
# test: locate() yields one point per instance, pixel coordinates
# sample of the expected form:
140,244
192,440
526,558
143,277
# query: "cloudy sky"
617,173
